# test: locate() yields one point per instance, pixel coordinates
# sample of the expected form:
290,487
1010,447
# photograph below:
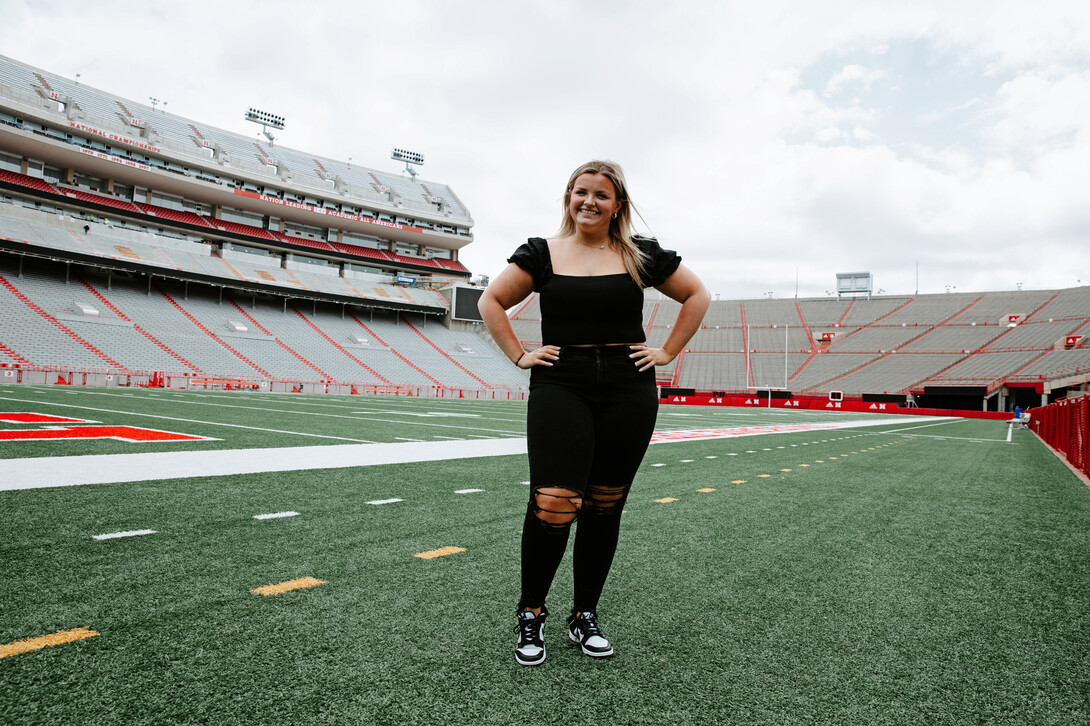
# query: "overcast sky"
773,144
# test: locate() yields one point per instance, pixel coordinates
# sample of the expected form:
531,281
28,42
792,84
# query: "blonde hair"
620,228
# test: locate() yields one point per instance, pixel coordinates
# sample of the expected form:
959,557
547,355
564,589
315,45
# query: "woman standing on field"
593,398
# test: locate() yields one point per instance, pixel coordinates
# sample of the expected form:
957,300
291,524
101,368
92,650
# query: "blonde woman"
593,397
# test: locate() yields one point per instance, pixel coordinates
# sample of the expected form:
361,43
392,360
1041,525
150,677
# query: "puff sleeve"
660,263
533,257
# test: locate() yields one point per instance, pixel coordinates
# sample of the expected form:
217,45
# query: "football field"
208,557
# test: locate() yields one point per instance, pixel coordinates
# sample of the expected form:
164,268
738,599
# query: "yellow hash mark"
739,481
804,465
785,470
288,586
45,641
820,461
706,490
764,476
831,458
666,500
441,552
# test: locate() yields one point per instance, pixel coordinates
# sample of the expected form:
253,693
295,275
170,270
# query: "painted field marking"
54,471
687,461
128,434
288,586
524,483
45,641
276,515
441,552
130,533
804,465
711,457
377,502
785,470
467,491
406,438
307,413
658,465
764,476
705,490
31,418
666,500
739,481
188,420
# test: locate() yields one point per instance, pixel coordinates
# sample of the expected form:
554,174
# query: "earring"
615,215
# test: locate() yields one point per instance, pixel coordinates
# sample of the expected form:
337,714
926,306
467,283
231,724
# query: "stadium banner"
822,403
114,137
327,212
115,159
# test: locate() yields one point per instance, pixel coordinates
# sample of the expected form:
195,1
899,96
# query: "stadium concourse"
139,248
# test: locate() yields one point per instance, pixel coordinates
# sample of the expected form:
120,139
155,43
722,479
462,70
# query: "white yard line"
130,533
923,426
265,409
56,471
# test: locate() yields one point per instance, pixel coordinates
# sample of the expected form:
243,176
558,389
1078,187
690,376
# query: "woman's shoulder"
533,257
659,263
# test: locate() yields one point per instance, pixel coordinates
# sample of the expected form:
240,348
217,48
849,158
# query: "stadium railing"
1065,426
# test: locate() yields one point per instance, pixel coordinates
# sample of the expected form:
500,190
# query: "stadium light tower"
410,158
266,120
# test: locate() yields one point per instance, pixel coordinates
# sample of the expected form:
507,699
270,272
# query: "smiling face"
592,202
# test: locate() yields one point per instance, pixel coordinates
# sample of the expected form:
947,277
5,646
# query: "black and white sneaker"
583,629
531,631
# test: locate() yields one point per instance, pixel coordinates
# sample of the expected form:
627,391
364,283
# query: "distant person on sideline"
593,397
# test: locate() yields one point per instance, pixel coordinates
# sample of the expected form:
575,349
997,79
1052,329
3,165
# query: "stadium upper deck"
73,145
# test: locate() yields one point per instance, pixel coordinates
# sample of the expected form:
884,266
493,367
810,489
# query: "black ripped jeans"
589,420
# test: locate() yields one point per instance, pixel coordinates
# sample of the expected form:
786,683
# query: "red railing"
1065,426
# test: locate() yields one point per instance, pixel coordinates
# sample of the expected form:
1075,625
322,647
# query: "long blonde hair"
620,228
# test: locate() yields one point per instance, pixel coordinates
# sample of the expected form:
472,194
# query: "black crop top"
592,309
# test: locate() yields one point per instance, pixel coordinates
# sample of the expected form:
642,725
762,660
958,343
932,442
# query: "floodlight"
266,120
410,158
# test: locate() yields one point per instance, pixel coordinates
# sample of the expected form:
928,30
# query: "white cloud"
733,162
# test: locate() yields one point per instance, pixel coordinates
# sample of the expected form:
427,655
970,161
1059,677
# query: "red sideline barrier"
1065,426
819,403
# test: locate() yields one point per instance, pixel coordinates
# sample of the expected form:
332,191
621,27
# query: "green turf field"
907,572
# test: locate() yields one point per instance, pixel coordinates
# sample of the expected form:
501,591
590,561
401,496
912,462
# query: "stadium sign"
115,159
113,137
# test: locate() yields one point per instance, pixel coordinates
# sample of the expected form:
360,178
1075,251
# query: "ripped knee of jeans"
605,501
555,507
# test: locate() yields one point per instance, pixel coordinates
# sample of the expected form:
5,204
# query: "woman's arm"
509,288
685,287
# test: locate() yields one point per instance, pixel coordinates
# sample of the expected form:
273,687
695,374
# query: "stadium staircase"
651,320
745,346
338,346
212,335
325,376
405,360
136,327
53,321
12,354
444,354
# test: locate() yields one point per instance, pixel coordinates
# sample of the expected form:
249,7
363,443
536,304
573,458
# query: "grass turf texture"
910,579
